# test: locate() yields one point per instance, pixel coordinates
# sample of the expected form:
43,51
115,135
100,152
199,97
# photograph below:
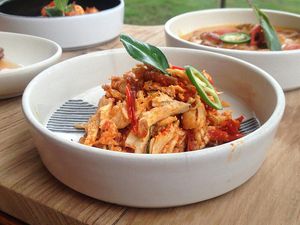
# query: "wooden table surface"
30,193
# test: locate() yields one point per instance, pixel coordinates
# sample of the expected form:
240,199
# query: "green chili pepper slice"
235,38
204,87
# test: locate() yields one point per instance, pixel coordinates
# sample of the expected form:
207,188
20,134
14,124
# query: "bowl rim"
57,18
270,123
26,68
182,16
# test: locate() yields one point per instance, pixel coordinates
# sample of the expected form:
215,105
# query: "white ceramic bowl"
158,180
284,66
34,54
71,32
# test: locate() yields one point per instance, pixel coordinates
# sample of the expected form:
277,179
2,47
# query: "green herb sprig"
60,8
270,34
145,53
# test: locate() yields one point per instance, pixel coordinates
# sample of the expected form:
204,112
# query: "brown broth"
289,38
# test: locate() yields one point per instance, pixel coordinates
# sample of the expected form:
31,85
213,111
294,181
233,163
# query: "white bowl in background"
33,54
157,180
284,66
72,32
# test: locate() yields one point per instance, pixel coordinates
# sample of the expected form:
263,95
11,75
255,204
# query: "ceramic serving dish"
31,54
72,32
284,66
156,180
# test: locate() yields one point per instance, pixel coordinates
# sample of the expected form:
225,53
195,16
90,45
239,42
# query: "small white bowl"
72,32
157,180
33,54
284,66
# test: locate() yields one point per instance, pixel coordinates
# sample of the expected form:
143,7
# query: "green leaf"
270,34
61,4
53,11
145,53
69,8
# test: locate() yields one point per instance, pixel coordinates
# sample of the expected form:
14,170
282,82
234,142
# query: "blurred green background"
154,12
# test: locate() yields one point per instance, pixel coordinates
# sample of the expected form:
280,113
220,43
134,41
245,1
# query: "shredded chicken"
163,107
138,144
92,129
195,117
167,140
145,111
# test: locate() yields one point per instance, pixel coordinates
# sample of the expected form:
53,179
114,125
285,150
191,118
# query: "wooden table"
29,193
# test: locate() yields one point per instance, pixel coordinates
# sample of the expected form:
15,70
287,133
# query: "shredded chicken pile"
146,111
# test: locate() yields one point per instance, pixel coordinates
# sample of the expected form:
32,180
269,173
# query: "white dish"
33,54
284,66
71,32
144,180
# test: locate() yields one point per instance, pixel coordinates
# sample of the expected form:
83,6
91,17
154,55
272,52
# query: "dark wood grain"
29,192
6,219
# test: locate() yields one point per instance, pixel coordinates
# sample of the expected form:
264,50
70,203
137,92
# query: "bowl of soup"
80,25
211,30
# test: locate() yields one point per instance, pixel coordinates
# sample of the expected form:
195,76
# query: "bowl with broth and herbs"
266,38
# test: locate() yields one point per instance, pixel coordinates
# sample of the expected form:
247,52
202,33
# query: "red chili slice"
177,68
235,136
228,131
130,100
240,118
257,36
219,136
43,10
190,139
231,126
211,37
